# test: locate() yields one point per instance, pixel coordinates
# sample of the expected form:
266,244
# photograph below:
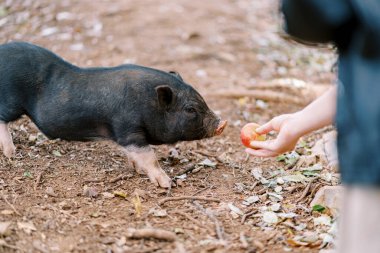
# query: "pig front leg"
6,142
145,162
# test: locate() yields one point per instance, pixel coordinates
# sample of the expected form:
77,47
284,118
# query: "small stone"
50,191
280,180
64,205
108,195
90,192
278,189
275,207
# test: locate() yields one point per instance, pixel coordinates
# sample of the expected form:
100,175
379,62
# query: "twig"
202,190
253,185
187,197
4,244
204,153
146,233
39,177
190,167
218,227
120,177
144,250
314,190
259,192
306,191
93,181
246,215
13,208
192,219
169,191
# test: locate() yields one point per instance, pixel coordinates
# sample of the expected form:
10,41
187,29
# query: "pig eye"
190,110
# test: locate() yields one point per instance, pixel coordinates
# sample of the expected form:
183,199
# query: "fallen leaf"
295,243
7,212
289,158
28,174
250,200
296,178
275,207
120,194
208,163
235,209
27,227
322,220
270,217
257,174
309,237
318,208
56,153
4,227
137,203
287,215
275,197
158,212
278,189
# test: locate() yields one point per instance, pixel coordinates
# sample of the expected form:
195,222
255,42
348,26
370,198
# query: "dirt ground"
59,196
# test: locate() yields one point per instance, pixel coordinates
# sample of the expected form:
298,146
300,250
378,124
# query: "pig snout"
219,130
214,125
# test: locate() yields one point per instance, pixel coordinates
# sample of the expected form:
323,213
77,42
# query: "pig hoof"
160,179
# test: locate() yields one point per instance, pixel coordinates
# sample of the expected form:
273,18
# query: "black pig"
132,105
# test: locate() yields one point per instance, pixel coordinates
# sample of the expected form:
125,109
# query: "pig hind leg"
145,162
6,142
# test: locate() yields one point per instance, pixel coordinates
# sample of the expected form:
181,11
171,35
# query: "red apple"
249,134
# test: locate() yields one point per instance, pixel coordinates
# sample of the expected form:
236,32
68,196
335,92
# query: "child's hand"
290,127
288,135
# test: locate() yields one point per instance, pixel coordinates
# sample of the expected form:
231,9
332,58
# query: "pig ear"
164,95
176,74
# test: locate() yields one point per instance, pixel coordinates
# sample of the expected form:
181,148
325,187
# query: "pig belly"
76,132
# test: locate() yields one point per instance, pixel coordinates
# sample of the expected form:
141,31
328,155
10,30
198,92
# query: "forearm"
321,112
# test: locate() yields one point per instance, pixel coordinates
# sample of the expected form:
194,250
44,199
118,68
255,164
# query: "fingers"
264,129
269,145
261,152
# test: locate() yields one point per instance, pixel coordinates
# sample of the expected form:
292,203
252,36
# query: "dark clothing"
354,27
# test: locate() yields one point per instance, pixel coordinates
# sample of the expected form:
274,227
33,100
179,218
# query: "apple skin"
248,134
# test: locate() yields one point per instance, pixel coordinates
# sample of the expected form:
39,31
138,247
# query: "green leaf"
3,11
27,174
57,153
318,208
280,158
310,173
289,158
